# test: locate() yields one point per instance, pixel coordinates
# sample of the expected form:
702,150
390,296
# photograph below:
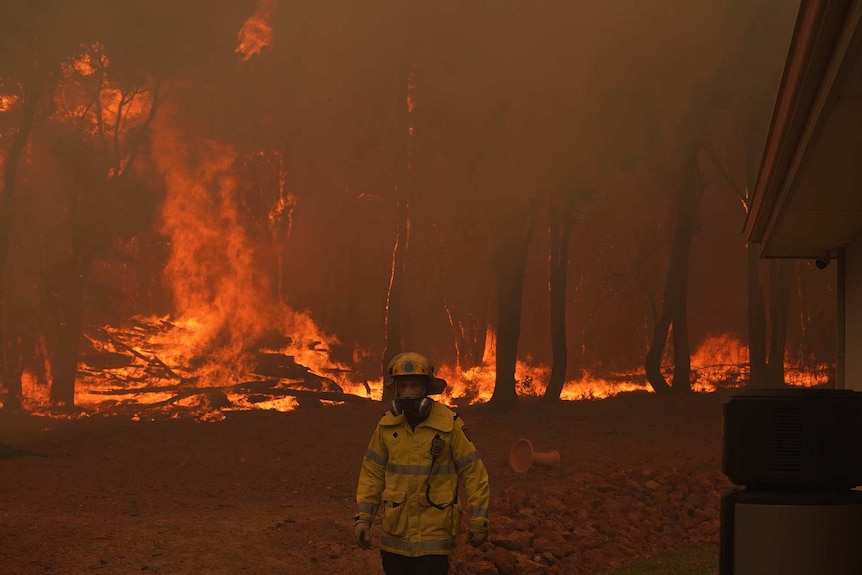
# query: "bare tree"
511,241
560,223
88,195
28,61
674,311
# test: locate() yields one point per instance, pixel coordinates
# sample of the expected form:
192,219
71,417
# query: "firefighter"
411,470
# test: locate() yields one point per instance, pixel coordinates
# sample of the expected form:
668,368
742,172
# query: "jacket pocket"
394,512
440,523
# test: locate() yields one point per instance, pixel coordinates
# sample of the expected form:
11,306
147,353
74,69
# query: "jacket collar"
440,418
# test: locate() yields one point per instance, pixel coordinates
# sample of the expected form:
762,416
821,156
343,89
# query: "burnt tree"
9,349
674,305
394,311
560,223
93,203
511,238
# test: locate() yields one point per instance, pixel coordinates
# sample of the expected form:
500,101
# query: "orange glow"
7,101
205,358
256,33
283,211
718,362
108,118
197,359
411,89
476,385
35,394
91,60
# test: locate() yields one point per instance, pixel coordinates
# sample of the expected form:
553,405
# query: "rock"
504,561
556,505
335,551
514,540
584,532
482,567
550,543
555,526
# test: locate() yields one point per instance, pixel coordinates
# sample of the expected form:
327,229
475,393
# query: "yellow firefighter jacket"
397,471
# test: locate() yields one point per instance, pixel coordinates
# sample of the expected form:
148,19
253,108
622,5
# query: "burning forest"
261,201
216,212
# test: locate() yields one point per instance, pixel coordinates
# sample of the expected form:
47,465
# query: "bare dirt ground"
268,492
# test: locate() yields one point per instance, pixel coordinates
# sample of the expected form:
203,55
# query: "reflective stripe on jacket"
393,477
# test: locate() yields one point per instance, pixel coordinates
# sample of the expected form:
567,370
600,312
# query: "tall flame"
226,314
256,33
211,267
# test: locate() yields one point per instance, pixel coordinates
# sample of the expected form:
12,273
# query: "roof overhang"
807,199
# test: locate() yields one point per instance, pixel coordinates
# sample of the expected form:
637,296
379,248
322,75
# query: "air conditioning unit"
796,456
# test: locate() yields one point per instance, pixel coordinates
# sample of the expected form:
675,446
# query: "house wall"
853,315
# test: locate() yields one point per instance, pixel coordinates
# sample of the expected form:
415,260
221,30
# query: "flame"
211,267
86,75
35,393
7,101
721,360
197,357
718,362
91,60
204,358
476,385
256,33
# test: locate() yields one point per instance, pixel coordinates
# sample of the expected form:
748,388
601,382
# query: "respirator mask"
411,401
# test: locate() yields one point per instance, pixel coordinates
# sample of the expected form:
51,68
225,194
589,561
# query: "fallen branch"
150,360
266,387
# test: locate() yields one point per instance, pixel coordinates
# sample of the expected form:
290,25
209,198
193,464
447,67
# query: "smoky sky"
468,112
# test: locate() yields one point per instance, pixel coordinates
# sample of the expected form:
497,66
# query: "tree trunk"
756,322
560,228
394,319
479,339
65,364
70,305
675,301
510,263
12,371
780,285
394,295
9,351
652,363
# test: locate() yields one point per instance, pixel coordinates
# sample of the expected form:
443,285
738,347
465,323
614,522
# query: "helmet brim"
435,386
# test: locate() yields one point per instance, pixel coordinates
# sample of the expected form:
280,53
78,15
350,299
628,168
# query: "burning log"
150,360
106,360
259,391
274,340
285,367
129,361
279,365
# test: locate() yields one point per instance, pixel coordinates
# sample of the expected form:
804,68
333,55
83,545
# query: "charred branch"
256,391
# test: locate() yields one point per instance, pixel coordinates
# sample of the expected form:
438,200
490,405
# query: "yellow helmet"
412,363
409,363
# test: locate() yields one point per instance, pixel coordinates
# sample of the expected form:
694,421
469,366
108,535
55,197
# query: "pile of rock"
587,523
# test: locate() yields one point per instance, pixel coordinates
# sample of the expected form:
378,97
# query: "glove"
477,536
362,529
